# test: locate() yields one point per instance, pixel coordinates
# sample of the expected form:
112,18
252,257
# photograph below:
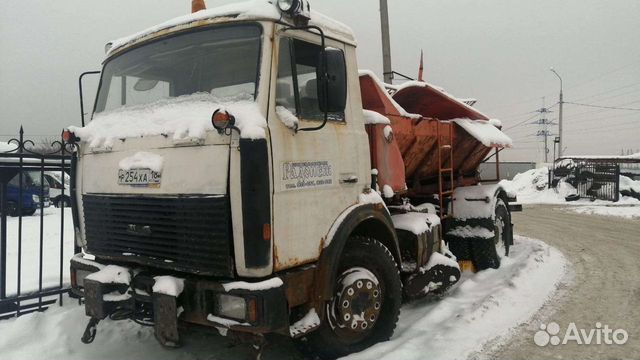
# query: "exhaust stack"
197,5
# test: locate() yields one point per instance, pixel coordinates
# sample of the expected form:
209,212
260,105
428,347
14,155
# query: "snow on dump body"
485,132
372,117
183,117
383,87
247,10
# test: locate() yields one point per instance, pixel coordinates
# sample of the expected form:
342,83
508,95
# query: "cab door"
316,174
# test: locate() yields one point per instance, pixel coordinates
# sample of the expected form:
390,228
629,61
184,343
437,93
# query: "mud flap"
435,280
165,318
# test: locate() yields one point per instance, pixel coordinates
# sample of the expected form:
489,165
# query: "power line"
610,91
601,106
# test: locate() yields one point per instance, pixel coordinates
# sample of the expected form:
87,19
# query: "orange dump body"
415,137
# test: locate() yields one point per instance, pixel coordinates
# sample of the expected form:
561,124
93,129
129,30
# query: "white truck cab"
225,180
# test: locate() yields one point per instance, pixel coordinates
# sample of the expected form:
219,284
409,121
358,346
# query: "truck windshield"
222,61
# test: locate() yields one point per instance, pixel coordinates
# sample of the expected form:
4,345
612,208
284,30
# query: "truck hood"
187,167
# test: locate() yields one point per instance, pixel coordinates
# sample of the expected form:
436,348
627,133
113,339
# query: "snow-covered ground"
531,187
628,211
479,308
30,265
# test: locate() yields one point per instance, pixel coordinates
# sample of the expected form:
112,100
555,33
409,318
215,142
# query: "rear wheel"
487,252
502,228
366,304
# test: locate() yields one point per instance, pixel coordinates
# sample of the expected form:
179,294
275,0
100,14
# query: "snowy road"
604,253
479,308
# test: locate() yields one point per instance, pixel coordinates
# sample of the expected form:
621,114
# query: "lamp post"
559,115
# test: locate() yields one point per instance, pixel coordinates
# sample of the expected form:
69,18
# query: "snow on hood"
183,117
142,160
485,132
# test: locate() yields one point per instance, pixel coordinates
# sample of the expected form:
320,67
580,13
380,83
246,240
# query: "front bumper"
260,307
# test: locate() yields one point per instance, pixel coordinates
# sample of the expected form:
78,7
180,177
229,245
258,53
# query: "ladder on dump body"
445,146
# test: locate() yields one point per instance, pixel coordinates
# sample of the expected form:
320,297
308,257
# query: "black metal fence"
592,179
36,235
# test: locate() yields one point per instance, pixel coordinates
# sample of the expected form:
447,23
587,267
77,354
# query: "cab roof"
244,11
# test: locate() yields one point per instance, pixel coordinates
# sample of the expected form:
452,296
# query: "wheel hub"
358,301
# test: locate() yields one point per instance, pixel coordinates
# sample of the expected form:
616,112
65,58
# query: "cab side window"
297,85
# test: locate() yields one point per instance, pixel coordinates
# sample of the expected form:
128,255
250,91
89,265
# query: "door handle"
349,180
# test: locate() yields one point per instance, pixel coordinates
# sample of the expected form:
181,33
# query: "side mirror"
332,80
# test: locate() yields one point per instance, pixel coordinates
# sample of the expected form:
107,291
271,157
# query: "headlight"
231,306
35,198
287,5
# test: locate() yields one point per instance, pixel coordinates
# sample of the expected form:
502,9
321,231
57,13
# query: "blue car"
32,188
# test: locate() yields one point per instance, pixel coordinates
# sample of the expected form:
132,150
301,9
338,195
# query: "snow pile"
168,285
485,132
111,274
287,117
372,197
387,191
308,322
468,231
142,160
183,117
262,285
415,222
629,186
388,132
531,187
373,117
439,259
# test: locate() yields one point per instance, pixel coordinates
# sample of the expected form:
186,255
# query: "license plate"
139,177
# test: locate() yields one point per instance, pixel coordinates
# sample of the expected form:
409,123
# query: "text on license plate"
139,177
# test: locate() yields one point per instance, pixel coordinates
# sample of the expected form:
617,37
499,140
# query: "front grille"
190,234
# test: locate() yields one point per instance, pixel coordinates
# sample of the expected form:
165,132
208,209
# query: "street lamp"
559,115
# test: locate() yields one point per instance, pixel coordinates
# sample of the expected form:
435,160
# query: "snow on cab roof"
247,10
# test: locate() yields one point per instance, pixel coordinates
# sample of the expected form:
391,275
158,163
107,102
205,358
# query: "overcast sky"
497,51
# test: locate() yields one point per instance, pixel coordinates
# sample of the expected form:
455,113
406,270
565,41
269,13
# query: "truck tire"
503,228
29,212
368,286
487,252
12,208
60,200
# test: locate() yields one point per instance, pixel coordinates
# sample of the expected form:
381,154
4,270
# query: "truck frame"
240,173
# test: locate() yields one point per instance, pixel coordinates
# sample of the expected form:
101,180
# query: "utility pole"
560,103
386,44
543,131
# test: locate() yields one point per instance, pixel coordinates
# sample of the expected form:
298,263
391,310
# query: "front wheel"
366,303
